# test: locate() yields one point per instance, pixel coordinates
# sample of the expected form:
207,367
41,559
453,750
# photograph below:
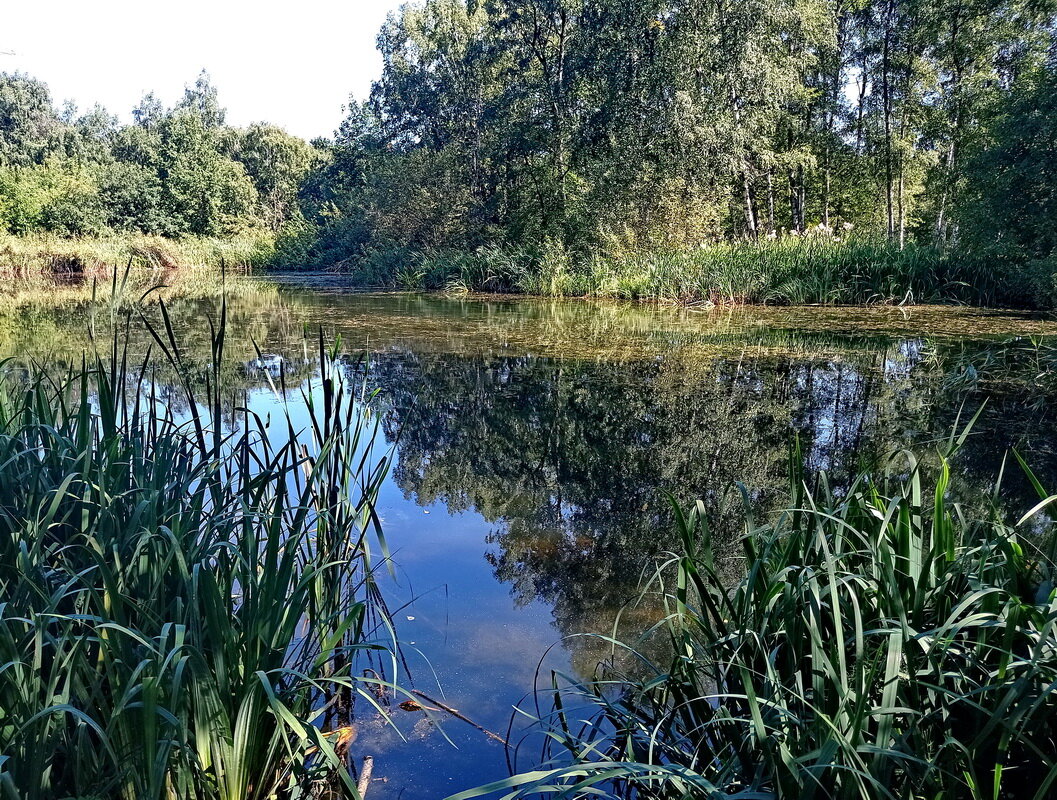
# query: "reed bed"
32,256
185,588
790,271
881,642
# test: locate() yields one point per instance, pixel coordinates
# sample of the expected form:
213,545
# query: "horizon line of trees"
171,172
598,126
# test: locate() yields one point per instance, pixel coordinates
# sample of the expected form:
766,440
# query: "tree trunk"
750,208
886,96
770,201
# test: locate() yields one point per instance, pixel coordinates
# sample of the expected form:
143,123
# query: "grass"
126,288
812,269
876,643
28,257
857,270
183,595
121,271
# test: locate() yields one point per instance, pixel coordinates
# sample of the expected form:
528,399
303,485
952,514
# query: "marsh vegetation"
874,642
177,566
185,587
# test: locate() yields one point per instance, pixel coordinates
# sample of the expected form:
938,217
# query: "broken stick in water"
455,713
365,776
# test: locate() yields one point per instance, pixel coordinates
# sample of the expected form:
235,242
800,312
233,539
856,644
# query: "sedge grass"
182,600
881,642
791,271
31,256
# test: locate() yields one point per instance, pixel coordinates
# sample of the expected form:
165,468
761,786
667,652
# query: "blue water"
535,446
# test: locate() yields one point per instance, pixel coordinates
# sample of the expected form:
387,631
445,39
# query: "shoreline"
852,273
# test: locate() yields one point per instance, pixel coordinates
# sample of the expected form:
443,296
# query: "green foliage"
174,172
629,130
610,144
38,256
27,120
182,594
806,270
277,164
205,193
135,199
880,643
55,196
1009,218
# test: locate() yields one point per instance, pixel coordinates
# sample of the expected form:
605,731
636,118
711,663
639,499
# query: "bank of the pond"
41,255
152,270
793,270
812,269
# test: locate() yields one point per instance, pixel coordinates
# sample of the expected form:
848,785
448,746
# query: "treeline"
620,147
173,172
614,126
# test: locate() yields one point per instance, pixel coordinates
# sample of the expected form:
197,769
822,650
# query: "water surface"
537,444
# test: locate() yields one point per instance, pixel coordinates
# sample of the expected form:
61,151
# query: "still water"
536,445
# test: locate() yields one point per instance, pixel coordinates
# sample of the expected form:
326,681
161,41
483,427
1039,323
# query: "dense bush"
174,172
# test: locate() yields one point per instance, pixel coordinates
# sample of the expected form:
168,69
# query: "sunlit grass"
877,643
47,270
126,287
51,254
183,594
789,271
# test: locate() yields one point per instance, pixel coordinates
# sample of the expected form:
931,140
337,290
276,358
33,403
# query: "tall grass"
31,256
182,598
875,643
858,269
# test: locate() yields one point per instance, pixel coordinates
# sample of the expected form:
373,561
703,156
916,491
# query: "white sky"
291,63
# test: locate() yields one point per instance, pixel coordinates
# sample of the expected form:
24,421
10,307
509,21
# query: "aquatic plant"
790,271
876,643
32,256
183,594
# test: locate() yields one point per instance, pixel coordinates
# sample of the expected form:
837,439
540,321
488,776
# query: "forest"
625,147
174,172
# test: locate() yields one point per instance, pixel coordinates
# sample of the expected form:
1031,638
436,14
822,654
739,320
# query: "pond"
538,446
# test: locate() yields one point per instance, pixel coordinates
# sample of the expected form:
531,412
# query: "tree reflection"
571,460
565,425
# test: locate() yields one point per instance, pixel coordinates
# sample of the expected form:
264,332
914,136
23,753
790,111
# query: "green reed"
183,593
881,642
813,269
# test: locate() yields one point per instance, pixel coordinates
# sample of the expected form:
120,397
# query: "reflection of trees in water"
61,340
570,460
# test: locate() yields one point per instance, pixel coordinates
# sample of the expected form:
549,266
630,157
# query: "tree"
1008,215
277,164
28,121
202,99
205,193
